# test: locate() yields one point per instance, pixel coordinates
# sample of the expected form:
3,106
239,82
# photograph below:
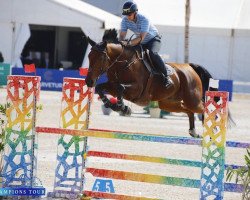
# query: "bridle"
104,51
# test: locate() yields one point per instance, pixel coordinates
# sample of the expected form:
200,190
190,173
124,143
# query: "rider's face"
131,16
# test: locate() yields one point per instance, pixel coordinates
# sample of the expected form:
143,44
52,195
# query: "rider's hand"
124,43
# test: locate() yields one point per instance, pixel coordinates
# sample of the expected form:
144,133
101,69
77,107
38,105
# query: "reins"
117,59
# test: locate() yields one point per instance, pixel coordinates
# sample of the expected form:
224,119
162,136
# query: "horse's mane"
110,36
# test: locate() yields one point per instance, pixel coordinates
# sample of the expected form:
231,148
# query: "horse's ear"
115,32
104,44
91,42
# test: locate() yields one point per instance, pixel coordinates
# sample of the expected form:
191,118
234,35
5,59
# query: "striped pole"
149,178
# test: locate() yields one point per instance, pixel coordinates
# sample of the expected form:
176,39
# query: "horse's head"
98,62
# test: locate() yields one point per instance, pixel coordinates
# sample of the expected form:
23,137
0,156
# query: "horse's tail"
204,76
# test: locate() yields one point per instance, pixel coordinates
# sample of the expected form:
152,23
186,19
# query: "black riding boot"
159,64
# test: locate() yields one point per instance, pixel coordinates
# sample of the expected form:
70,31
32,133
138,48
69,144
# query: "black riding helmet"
128,8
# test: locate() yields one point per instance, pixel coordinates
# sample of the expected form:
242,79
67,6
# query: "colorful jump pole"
70,162
20,161
214,142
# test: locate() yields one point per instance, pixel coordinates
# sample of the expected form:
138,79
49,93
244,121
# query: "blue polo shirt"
141,25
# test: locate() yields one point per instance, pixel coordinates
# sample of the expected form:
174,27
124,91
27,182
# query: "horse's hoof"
193,133
126,111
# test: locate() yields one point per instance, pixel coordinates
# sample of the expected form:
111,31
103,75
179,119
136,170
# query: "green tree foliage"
242,176
3,108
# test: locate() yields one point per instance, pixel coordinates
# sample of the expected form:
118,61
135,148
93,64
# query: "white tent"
15,15
205,13
219,34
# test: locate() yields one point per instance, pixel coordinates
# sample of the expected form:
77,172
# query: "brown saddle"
147,60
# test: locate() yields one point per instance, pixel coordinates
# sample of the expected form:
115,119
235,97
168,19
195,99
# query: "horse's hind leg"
192,131
177,106
192,108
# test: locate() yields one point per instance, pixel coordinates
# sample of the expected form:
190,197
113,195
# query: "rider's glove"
125,43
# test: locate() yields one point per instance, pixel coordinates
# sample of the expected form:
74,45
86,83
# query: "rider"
147,33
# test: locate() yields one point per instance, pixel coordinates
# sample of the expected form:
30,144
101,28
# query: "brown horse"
128,78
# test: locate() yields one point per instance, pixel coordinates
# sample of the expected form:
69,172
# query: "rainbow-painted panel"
214,141
74,115
20,157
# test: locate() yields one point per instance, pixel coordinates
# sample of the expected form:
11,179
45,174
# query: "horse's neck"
114,50
117,51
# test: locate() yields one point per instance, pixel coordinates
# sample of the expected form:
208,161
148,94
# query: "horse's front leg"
100,89
123,109
115,90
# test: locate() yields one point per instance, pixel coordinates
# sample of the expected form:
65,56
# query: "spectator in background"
1,57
